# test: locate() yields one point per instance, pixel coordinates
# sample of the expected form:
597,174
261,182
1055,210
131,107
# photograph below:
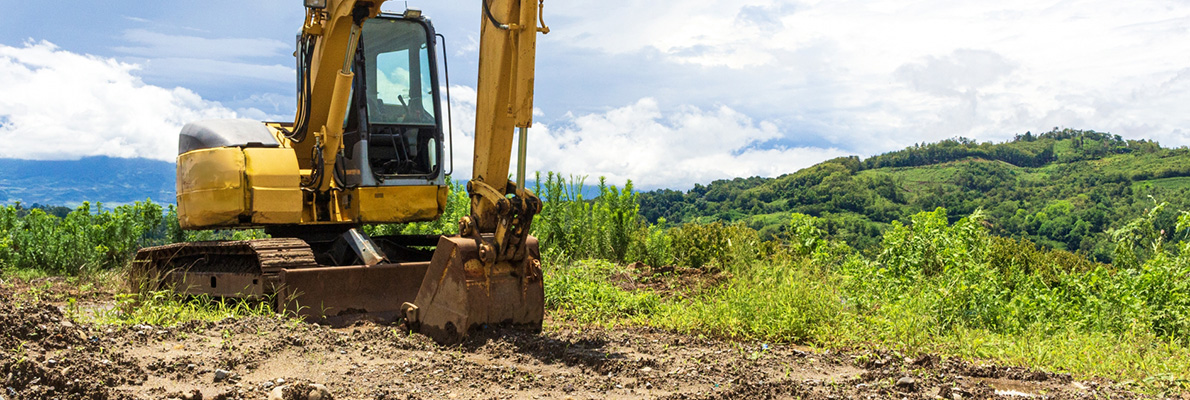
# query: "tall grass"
935,286
88,238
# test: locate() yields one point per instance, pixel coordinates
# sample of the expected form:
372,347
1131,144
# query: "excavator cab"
394,131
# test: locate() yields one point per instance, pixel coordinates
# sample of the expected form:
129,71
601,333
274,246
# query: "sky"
667,93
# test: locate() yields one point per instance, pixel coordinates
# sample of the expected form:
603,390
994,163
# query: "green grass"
585,291
166,308
948,289
776,304
1181,182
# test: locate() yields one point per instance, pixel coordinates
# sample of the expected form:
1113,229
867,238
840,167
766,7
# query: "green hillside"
1065,189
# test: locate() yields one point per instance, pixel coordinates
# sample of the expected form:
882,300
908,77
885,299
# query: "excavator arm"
327,44
491,273
507,57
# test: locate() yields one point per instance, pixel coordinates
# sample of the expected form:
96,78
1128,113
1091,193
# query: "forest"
1064,189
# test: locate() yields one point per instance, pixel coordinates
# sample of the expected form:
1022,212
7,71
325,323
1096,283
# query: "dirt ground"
46,355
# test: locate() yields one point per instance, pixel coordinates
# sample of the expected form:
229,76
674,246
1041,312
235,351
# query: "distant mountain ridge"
1067,189
108,180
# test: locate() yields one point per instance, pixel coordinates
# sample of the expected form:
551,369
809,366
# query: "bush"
717,247
570,227
86,239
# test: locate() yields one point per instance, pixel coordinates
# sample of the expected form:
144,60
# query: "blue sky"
666,93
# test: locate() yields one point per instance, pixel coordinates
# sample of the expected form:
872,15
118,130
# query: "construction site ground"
48,355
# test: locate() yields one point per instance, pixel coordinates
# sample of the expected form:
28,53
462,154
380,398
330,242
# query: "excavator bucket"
460,293
341,295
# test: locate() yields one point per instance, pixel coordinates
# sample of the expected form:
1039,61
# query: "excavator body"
367,146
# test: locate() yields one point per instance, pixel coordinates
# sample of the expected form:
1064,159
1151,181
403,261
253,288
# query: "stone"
221,375
906,382
318,392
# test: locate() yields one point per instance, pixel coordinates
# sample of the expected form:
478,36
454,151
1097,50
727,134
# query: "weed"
168,308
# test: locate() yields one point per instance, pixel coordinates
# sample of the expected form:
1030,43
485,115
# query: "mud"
44,354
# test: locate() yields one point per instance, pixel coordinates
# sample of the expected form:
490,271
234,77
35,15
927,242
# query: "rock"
191,367
280,381
906,382
221,375
301,391
267,385
318,392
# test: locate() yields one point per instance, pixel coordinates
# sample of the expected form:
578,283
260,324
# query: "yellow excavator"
367,147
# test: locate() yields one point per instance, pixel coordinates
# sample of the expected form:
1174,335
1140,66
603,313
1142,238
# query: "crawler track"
260,256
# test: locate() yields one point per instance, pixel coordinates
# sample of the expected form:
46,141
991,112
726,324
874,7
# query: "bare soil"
46,355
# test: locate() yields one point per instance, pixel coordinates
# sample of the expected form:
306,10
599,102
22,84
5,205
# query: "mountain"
95,179
1064,189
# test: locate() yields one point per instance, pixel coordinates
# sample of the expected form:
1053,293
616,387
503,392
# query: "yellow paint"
400,204
274,186
504,98
211,189
230,186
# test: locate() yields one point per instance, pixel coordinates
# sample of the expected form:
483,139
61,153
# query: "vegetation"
1064,189
934,283
165,308
846,254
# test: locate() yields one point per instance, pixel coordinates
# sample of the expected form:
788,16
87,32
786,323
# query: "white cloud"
652,146
876,75
62,105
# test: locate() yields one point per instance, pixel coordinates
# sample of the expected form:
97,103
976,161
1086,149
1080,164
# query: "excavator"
367,147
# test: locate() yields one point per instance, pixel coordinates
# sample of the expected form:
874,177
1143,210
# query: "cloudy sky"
667,93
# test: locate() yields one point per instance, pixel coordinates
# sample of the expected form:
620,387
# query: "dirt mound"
50,356
41,323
